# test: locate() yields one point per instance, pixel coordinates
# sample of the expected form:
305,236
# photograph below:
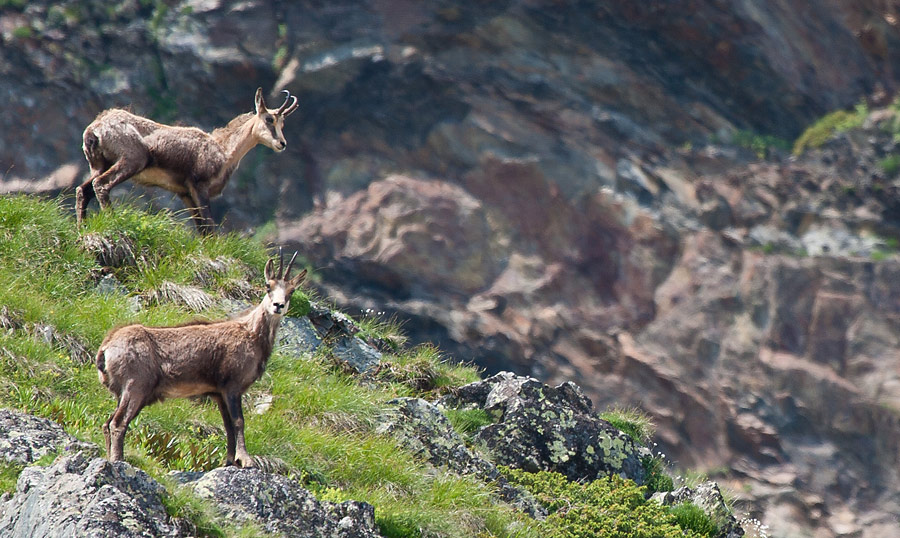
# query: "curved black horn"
287,273
287,99
280,262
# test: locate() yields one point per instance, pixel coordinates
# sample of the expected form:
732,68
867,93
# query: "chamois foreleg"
229,428
130,404
196,216
233,404
200,211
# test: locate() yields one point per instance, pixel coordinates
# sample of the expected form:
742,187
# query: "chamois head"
280,287
269,122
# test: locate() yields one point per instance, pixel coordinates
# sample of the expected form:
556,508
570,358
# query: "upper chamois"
141,365
192,163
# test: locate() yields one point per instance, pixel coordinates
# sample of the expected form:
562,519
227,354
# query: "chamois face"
268,124
278,289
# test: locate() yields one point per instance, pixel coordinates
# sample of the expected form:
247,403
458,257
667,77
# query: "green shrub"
691,517
657,478
838,121
610,507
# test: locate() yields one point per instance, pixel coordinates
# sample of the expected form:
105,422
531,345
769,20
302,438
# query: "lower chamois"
141,365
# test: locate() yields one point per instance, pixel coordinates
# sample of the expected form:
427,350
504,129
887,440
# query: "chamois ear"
298,279
260,101
270,270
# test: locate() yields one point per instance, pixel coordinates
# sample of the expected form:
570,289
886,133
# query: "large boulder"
280,505
87,498
543,428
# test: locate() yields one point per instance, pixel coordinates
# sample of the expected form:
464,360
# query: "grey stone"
358,354
280,505
298,336
110,285
79,497
25,438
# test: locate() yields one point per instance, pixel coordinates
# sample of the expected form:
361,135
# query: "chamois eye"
270,119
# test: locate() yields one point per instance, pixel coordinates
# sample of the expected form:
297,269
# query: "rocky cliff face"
543,187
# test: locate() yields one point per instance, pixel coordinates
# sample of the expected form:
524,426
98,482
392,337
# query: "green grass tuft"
637,424
691,517
467,422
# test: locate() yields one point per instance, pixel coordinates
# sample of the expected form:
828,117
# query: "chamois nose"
278,307
281,144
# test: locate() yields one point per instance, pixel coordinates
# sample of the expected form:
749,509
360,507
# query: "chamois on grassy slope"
193,164
141,365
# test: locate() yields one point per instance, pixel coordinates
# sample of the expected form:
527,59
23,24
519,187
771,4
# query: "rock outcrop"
80,497
280,505
26,438
542,428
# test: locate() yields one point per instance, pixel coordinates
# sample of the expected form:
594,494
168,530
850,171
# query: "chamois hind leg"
233,403
229,429
130,404
120,171
84,193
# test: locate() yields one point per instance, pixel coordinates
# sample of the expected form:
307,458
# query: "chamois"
187,161
141,365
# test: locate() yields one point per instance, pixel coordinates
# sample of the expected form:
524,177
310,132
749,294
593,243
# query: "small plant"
762,146
838,121
691,517
23,32
637,424
9,475
657,478
890,165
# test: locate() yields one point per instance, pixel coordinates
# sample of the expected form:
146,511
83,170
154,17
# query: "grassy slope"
319,425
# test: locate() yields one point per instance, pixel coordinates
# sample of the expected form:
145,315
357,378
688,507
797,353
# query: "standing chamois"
142,365
193,164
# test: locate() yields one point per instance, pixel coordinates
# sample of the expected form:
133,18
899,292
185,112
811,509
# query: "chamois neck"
236,139
259,322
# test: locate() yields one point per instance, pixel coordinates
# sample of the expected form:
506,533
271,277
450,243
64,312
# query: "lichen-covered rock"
297,336
709,498
78,497
420,426
280,505
26,438
542,428
339,330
